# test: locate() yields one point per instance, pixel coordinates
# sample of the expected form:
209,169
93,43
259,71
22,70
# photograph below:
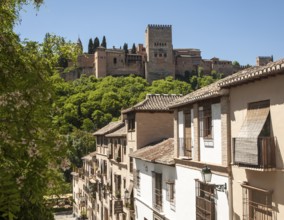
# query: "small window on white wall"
170,191
205,122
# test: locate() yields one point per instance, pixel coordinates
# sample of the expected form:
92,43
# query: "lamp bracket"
221,187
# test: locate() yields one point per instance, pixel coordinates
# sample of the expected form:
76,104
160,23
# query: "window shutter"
135,178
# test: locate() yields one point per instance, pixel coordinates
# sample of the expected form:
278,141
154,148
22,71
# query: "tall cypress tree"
125,48
90,47
133,50
96,43
80,45
104,43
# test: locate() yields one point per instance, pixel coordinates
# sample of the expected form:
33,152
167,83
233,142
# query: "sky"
237,30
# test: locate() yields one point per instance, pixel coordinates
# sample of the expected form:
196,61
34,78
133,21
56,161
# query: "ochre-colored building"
156,60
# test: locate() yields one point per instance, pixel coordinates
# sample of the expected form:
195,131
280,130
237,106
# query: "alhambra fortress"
156,59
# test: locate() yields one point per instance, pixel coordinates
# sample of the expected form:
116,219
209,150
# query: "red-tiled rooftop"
109,128
162,152
154,102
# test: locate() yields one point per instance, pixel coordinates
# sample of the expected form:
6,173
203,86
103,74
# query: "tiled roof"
244,76
118,133
156,102
109,128
162,152
212,90
253,73
89,156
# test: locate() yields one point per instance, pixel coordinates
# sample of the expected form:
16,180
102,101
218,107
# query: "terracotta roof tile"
109,128
253,73
216,89
212,90
118,133
162,152
156,102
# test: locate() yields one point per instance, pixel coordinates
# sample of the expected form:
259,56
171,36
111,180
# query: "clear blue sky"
234,30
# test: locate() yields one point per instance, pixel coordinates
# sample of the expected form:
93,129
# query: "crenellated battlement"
159,26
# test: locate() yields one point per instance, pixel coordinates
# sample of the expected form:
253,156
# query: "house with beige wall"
112,192
83,185
256,117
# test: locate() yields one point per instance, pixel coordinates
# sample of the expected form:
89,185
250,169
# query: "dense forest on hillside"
87,104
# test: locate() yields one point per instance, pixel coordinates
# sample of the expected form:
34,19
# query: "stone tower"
159,50
100,62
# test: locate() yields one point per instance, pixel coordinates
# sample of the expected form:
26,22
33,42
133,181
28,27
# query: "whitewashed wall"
144,196
180,132
185,194
210,149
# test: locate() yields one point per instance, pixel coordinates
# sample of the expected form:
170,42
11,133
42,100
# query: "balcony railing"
262,150
185,147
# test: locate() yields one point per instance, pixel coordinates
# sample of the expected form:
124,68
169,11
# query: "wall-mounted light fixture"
206,177
126,196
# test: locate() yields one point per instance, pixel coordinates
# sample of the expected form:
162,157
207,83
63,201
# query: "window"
99,140
136,178
165,55
158,195
117,181
257,203
205,201
170,191
131,165
205,120
114,60
131,122
187,134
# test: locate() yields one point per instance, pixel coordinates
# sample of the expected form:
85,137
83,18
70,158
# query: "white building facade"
202,140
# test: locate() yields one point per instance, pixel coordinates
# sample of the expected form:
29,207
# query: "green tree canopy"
30,148
236,63
80,46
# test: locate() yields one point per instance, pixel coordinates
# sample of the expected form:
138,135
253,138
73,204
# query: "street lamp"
206,174
206,177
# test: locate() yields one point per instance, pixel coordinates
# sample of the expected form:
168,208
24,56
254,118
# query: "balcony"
255,153
185,147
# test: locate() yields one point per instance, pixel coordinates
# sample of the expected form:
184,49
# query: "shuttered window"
205,201
136,179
